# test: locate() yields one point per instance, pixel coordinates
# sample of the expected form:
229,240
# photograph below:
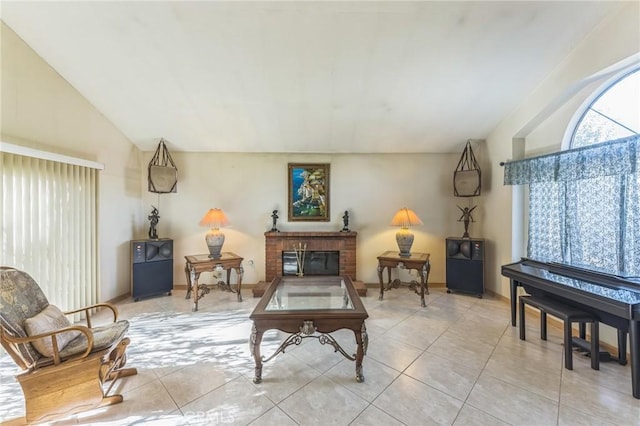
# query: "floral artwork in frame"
308,192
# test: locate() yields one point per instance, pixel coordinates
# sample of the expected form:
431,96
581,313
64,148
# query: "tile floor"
456,362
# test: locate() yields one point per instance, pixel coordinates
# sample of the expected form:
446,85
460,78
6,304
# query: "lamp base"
404,238
215,240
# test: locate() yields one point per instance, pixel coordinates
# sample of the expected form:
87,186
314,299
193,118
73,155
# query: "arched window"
613,114
584,203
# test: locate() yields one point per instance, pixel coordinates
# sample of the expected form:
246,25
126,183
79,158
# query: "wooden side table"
196,264
417,261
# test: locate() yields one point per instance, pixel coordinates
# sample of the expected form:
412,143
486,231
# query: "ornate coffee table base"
308,330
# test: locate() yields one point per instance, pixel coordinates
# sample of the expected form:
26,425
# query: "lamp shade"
404,219
214,218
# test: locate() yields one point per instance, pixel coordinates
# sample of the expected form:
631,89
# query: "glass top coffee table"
309,307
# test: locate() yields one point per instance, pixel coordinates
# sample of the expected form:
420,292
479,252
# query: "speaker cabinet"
151,267
465,265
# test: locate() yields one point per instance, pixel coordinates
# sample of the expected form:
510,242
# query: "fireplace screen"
313,263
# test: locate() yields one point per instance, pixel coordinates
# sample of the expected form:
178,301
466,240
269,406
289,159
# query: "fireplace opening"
314,263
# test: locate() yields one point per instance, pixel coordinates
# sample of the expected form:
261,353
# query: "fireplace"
342,243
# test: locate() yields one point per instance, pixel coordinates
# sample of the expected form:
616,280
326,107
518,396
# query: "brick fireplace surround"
277,242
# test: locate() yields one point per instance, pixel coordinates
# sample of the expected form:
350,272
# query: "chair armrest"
87,310
52,334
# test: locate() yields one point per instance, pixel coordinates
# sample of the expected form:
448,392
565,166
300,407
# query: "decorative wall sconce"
467,177
404,219
214,219
162,171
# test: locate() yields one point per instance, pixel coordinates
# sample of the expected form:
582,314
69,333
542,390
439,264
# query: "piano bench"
568,314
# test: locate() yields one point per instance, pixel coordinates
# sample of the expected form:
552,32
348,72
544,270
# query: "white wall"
248,187
41,110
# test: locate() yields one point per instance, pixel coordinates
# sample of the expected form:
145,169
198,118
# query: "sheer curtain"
584,205
49,226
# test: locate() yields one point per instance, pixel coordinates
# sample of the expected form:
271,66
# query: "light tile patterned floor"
456,362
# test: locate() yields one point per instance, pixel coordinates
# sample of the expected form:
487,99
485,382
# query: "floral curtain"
584,206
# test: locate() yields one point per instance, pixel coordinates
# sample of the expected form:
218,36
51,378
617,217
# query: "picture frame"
308,192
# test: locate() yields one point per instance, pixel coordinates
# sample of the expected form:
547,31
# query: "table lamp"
214,218
404,219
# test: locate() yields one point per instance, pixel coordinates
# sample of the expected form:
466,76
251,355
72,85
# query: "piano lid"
610,287
587,269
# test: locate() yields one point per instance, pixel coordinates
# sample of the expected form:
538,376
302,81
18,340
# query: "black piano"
614,299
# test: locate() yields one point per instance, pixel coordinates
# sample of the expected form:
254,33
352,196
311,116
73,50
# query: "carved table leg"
422,286
194,289
362,340
187,272
380,269
240,273
254,348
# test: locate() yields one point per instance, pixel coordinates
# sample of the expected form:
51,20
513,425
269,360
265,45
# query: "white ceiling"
308,77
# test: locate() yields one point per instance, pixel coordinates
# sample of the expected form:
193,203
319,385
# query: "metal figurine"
274,216
345,220
154,217
466,218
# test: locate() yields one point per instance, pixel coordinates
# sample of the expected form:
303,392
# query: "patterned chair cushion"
20,298
103,337
50,319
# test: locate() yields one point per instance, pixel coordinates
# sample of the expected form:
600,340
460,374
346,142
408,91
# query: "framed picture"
308,192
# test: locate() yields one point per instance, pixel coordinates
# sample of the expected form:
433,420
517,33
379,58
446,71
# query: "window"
584,203
49,226
614,114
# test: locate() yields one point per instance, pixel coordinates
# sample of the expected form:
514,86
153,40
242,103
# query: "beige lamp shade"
214,219
405,218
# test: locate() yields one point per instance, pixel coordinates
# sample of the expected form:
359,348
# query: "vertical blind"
49,226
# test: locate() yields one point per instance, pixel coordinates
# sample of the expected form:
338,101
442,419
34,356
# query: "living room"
248,186
41,109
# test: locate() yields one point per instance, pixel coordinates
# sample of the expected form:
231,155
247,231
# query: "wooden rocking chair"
65,366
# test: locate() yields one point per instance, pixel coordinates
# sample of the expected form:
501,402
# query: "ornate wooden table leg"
426,268
422,286
362,340
240,272
194,289
187,272
380,269
254,348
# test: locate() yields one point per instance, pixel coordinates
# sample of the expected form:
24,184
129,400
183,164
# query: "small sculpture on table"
345,220
154,217
274,216
466,218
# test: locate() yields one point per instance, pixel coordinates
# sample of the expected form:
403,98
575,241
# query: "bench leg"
521,318
595,345
543,325
568,345
582,328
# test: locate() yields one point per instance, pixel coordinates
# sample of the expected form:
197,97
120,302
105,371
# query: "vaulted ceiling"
304,77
